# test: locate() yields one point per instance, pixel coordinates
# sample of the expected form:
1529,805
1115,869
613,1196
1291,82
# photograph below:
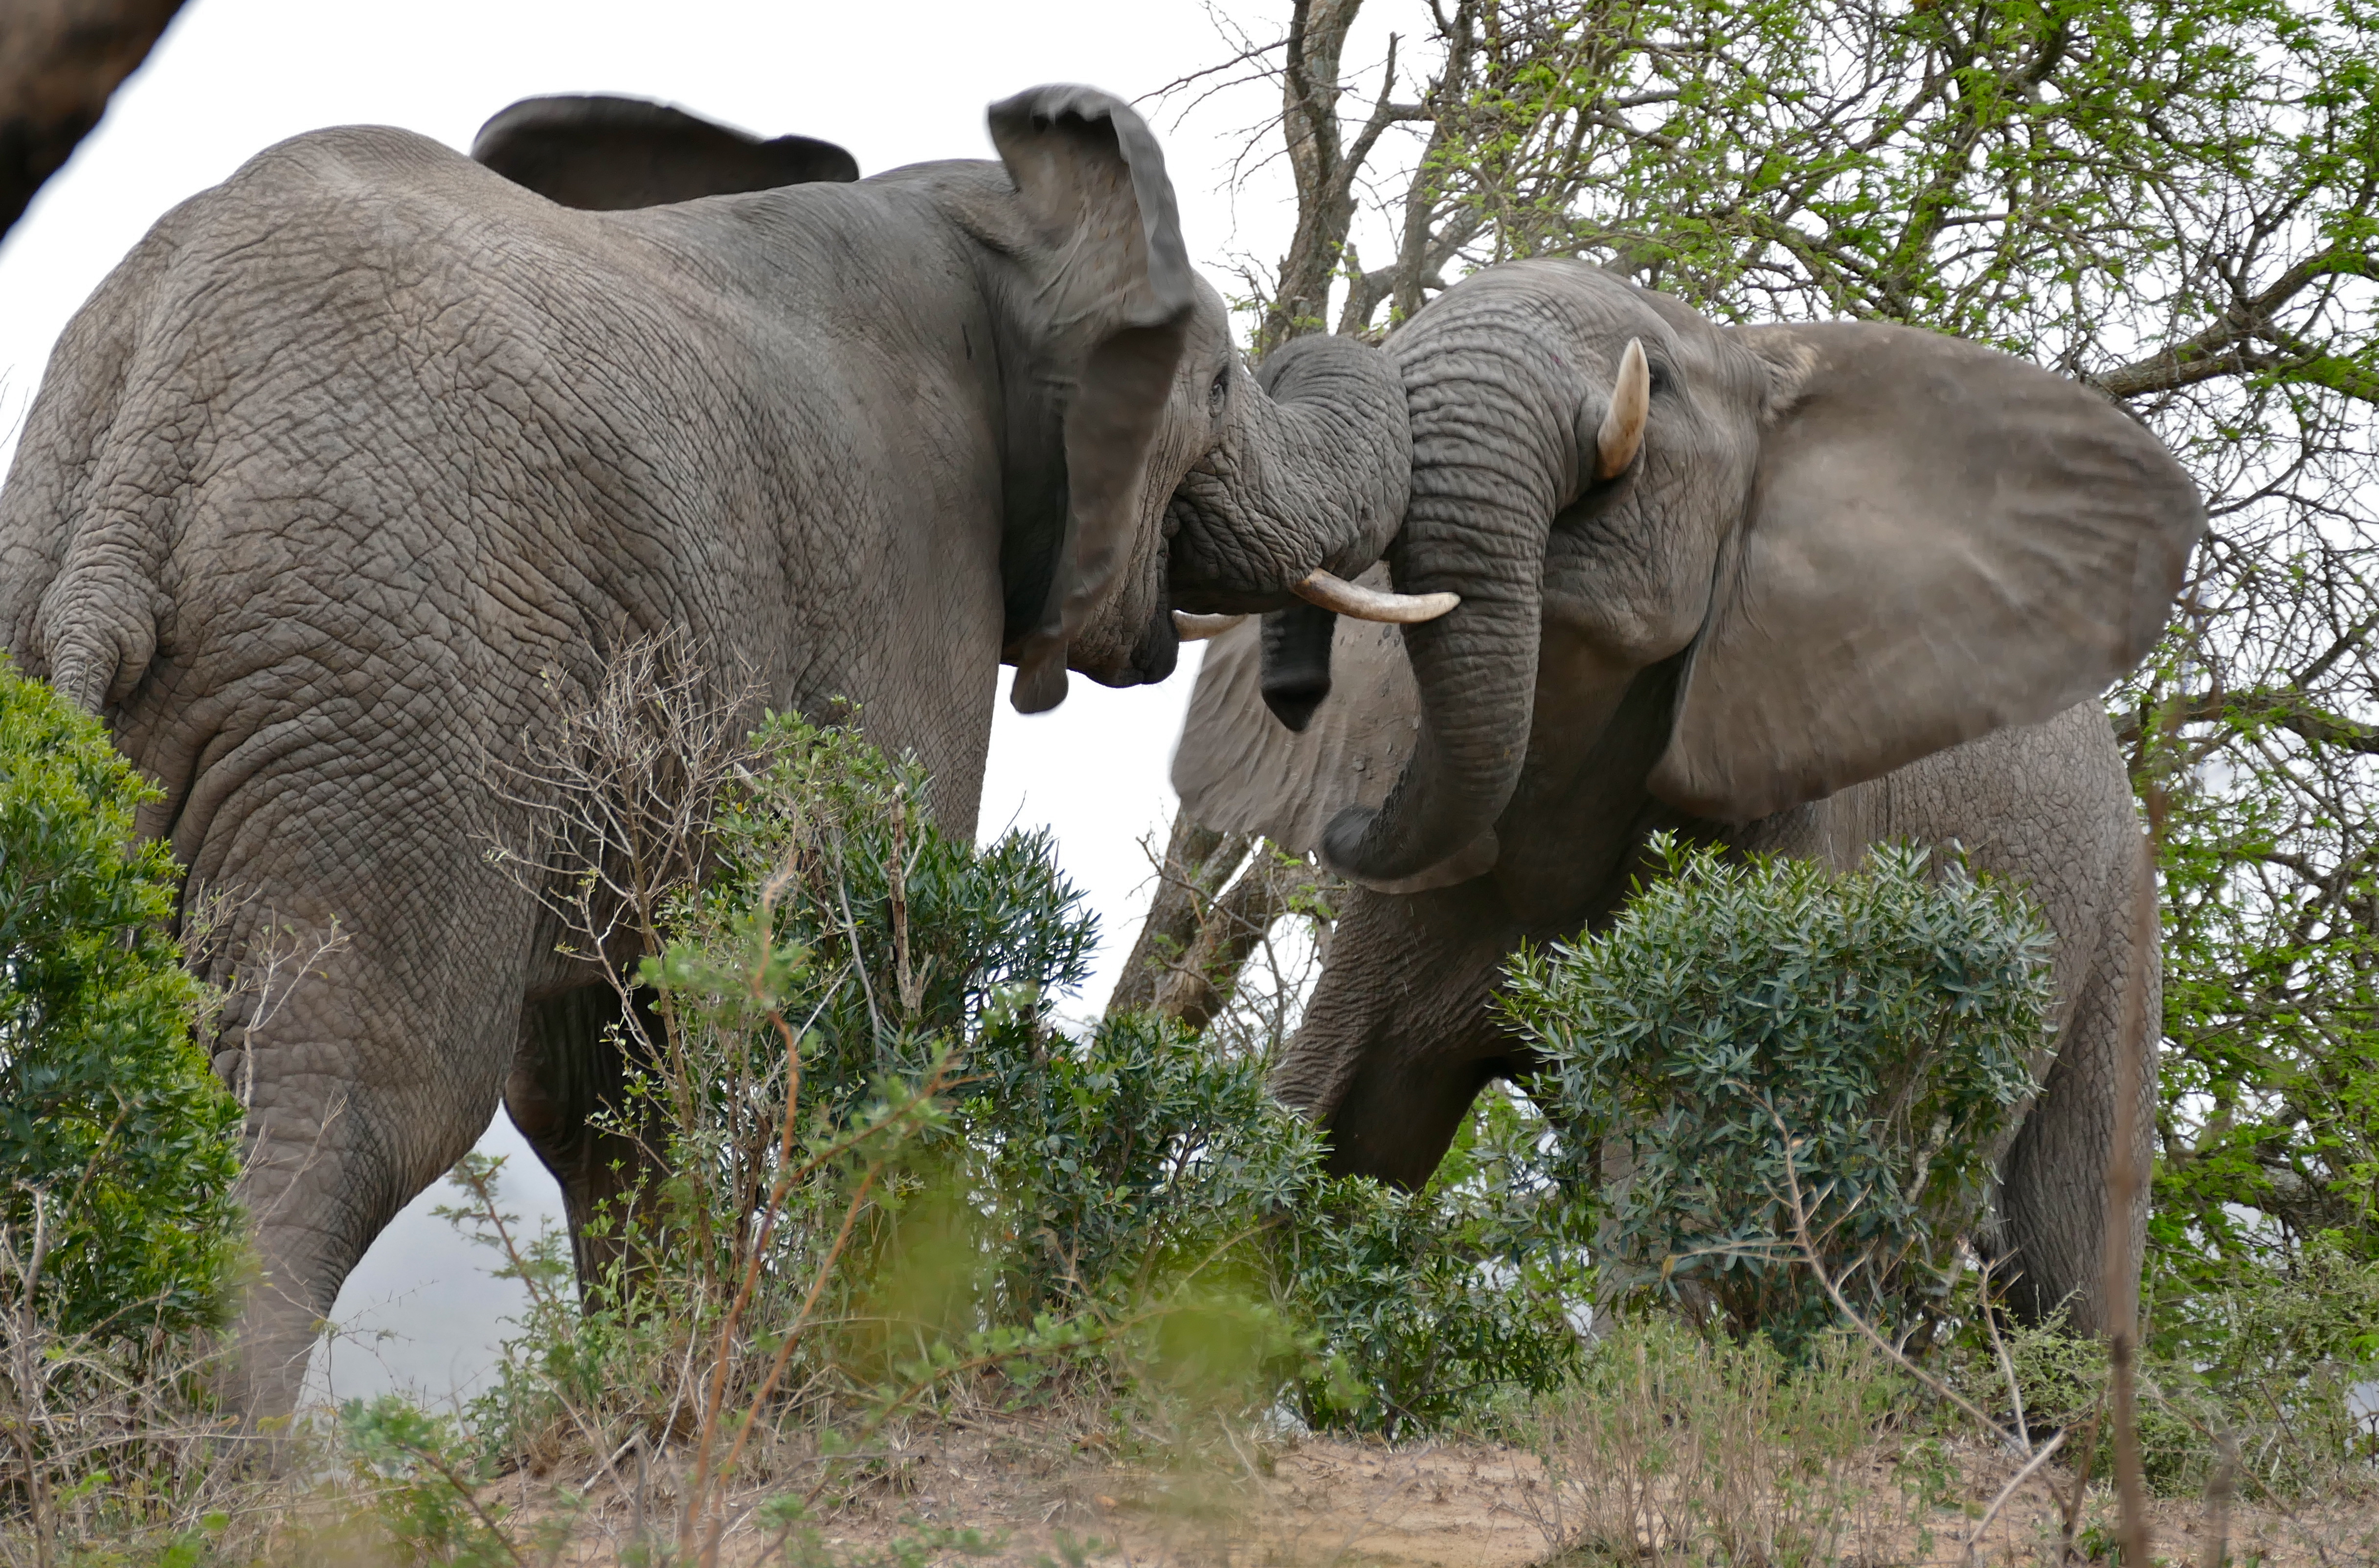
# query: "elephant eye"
1221,390
1661,381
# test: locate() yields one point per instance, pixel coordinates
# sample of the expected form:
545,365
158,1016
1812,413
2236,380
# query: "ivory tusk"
1370,604
1623,423
1192,628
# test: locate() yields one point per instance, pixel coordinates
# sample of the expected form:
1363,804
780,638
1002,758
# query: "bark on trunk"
60,60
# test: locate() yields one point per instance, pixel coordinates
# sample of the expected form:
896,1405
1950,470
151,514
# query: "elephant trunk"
1489,445
1311,473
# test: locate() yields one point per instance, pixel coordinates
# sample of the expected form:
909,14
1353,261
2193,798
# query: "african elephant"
366,458
1793,588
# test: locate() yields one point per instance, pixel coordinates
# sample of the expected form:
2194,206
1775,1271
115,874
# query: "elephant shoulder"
1239,770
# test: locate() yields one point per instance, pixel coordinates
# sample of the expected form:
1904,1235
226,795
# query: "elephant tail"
96,662
87,517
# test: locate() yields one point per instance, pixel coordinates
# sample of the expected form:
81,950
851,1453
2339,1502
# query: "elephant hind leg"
567,1093
2053,1195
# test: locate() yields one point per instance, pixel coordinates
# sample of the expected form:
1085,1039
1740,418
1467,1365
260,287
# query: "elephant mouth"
1154,656
1158,652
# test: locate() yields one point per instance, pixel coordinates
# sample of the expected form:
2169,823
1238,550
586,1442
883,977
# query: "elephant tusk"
1370,604
1623,424
1191,628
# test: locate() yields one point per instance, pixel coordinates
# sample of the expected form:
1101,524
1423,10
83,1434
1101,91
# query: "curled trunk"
1488,442
1313,472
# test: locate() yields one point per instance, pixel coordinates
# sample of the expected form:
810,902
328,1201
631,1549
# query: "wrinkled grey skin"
362,463
1859,583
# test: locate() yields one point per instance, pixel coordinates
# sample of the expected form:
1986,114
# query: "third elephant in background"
1796,588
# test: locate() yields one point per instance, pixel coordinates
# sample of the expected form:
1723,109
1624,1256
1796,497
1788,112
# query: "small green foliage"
887,936
2272,1367
1132,1154
1431,1307
423,1480
118,1146
1750,1036
2268,1119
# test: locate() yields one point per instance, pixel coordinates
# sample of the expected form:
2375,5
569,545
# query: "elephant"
1785,588
369,457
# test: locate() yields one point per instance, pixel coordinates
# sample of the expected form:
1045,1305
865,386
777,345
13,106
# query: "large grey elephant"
1791,588
366,458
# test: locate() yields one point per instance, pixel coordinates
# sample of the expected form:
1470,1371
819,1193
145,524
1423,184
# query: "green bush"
1054,1174
2271,1371
1746,1031
963,1189
945,1183
1126,1156
1433,1309
118,1146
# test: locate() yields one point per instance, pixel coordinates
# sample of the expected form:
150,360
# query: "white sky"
895,85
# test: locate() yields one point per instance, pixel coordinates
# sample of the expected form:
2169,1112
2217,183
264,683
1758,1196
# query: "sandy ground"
1334,1504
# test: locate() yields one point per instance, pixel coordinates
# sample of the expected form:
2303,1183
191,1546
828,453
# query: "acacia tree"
2176,201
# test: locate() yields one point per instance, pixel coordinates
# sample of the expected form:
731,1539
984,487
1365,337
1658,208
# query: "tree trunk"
1198,863
59,62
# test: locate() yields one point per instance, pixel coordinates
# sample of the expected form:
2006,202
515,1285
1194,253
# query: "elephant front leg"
568,1093
1401,1035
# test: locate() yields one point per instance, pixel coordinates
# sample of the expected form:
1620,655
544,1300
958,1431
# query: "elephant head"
1845,546
1182,480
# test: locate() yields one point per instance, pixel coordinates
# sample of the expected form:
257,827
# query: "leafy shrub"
1431,1307
1127,1156
2270,1372
945,1189
1745,1032
1054,1175
117,1144
886,1170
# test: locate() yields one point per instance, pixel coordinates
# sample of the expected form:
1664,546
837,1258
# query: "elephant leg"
2053,1182
1400,1037
369,1077
567,1093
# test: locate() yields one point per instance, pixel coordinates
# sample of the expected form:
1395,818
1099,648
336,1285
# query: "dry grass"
1043,1491
1031,1495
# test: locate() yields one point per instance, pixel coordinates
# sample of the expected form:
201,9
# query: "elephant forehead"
1556,307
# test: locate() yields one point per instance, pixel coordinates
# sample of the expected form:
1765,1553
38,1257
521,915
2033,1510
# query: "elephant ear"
1940,540
1238,769
608,154
1116,308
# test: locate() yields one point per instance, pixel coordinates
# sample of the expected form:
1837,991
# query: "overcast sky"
895,84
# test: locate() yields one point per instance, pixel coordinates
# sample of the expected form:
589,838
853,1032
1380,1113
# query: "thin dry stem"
2124,1181
2032,1465
1810,1256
